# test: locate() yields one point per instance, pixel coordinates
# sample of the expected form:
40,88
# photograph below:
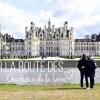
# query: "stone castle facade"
49,41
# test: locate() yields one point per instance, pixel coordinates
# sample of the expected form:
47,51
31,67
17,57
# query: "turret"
66,25
32,30
32,26
49,25
53,27
94,36
65,29
26,29
45,27
71,33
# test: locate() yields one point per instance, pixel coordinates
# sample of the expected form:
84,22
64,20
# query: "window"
81,48
29,53
40,48
87,48
92,48
40,35
57,48
70,42
22,48
29,42
82,43
29,48
87,43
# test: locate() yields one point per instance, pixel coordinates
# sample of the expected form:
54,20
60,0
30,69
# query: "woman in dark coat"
91,71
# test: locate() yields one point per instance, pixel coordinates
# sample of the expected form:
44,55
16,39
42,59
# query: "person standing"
91,70
82,66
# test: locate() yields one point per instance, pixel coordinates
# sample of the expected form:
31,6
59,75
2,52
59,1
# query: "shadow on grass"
71,88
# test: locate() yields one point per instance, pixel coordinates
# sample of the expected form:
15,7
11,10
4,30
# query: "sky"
82,15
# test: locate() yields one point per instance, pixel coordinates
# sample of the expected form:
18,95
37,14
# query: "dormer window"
40,35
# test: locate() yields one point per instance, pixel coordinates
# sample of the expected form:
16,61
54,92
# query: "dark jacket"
83,65
92,64
91,68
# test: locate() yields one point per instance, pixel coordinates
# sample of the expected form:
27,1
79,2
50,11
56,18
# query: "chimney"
87,37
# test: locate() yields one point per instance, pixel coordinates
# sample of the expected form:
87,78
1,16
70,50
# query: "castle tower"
49,26
66,25
32,30
32,26
31,41
53,27
71,33
65,28
26,29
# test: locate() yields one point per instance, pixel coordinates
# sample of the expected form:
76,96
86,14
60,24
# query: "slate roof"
84,40
14,40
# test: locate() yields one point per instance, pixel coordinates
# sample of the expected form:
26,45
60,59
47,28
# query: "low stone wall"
40,63
41,71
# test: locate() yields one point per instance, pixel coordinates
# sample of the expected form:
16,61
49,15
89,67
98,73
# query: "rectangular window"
29,42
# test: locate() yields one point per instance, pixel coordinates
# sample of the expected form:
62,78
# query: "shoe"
91,87
88,88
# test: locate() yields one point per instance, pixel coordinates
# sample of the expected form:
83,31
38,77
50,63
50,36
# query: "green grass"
97,57
15,87
48,92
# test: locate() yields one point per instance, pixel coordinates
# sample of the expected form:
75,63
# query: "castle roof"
66,22
14,40
84,40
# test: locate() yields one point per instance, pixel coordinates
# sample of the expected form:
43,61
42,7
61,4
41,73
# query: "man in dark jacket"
91,71
82,66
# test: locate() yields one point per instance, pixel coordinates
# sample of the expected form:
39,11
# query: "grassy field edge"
15,87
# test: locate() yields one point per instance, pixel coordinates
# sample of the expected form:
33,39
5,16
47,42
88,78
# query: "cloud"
79,14
13,20
80,6
49,1
83,7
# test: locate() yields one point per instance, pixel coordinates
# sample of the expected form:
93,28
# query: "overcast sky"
83,15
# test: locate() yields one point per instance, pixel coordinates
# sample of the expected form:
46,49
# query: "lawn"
48,92
97,57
